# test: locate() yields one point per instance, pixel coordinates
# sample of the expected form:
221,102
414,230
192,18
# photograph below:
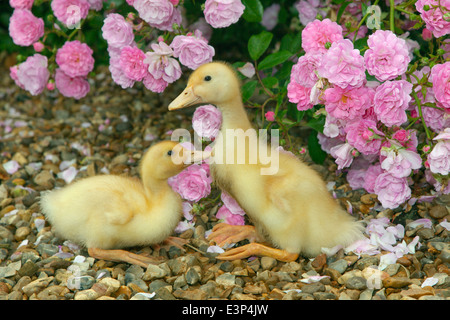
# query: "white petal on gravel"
429,282
215,249
68,175
11,166
445,224
312,279
426,223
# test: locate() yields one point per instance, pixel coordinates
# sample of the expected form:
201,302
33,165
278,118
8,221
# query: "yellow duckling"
107,212
290,207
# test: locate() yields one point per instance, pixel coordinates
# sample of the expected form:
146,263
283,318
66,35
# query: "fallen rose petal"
312,279
445,224
386,260
183,226
11,166
247,70
426,223
68,175
215,249
429,282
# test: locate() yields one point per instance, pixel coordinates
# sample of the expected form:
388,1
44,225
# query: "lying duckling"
291,208
107,212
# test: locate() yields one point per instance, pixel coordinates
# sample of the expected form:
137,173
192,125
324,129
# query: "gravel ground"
110,129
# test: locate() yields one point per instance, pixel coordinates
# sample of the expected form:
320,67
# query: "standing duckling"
108,212
291,207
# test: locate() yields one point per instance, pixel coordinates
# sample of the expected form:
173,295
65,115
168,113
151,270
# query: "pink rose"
192,184
440,77
299,95
228,217
362,134
160,63
270,116
343,155
74,87
75,59
391,101
342,65
435,119
400,162
318,33
304,71
308,10
391,191
206,121
439,158
117,74
348,104
25,28
192,51
372,174
387,56
270,16
434,17
70,12
117,31
96,5
231,204
154,12
132,63
444,135
13,74
154,85
33,74
223,13
21,4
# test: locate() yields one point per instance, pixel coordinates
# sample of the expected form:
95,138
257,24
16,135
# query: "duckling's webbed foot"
225,234
174,241
257,249
123,256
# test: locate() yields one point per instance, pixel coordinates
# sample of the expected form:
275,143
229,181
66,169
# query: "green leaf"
315,150
248,89
317,123
341,10
274,59
258,44
270,82
253,10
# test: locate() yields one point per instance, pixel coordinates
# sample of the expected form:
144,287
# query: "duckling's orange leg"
123,256
224,234
257,249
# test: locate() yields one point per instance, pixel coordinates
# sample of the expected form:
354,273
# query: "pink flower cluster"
230,212
193,183
434,17
363,119
223,13
32,75
24,28
206,121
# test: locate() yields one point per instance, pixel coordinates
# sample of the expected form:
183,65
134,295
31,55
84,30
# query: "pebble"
226,279
154,272
339,265
267,263
396,282
313,287
438,212
358,283
36,286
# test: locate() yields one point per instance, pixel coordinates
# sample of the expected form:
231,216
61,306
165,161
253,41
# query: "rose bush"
374,89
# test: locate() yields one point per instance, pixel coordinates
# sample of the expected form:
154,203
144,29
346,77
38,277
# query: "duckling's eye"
207,78
169,153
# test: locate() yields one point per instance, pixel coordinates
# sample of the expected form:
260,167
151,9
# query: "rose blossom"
25,28
342,65
117,74
154,85
347,104
192,51
391,101
361,135
33,74
400,162
223,13
228,217
154,12
439,158
13,75
435,119
132,63
391,191
387,56
192,183
160,63
175,18
308,10
440,77
70,12
206,121
372,174
117,31
75,59
270,16
434,17
270,116
21,4
304,72
343,155
317,33
75,87
231,204
299,95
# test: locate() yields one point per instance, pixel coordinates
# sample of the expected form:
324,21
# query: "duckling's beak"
196,156
185,99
